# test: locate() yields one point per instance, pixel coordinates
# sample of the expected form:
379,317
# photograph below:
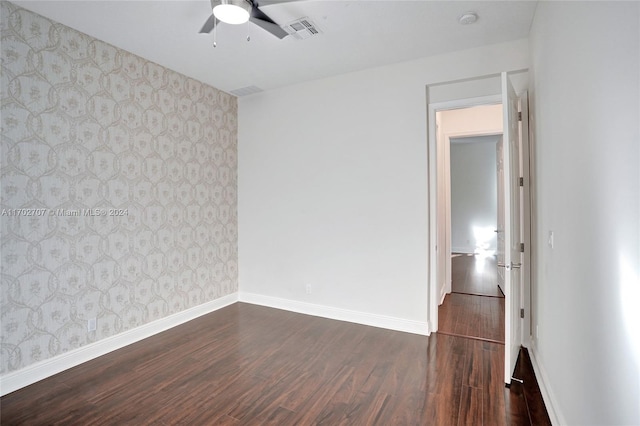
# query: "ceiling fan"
241,11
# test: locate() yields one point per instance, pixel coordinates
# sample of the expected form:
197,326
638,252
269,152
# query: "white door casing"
500,209
526,156
434,222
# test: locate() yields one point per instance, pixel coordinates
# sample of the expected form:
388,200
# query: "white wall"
333,184
486,85
474,202
478,120
585,61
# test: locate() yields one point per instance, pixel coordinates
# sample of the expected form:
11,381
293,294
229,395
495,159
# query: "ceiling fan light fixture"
232,11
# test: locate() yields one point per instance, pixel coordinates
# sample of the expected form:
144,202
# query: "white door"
500,210
512,254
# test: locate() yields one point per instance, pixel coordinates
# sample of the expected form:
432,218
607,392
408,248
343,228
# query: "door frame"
432,226
525,212
447,176
434,297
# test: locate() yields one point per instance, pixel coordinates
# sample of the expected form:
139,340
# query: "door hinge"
519,115
521,313
521,247
521,181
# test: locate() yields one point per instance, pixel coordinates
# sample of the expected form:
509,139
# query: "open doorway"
469,146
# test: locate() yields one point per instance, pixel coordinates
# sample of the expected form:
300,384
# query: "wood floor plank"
516,406
535,405
473,376
470,407
472,316
278,416
450,383
299,388
372,414
493,407
316,409
474,274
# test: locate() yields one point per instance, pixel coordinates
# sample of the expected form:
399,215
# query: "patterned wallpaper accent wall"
118,190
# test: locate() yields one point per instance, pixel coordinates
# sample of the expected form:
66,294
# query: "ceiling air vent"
246,91
302,29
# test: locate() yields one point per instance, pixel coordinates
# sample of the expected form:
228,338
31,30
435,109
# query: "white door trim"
525,169
447,141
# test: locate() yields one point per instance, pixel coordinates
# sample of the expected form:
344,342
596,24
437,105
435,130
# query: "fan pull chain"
215,33
248,36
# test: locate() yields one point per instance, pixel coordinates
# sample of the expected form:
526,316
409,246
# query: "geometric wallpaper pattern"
118,190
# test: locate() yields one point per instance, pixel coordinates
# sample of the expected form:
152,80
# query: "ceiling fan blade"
260,3
208,26
259,18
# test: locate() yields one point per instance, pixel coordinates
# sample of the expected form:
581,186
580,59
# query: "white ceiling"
356,34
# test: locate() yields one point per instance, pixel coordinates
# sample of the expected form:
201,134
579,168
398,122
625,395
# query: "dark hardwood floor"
473,274
472,316
251,365
475,306
536,410
475,310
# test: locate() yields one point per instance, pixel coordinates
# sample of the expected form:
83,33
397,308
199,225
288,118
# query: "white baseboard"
35,372
465,250
442,296
550,402
374,320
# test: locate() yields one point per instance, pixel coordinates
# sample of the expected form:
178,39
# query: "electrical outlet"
91,324
308,288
